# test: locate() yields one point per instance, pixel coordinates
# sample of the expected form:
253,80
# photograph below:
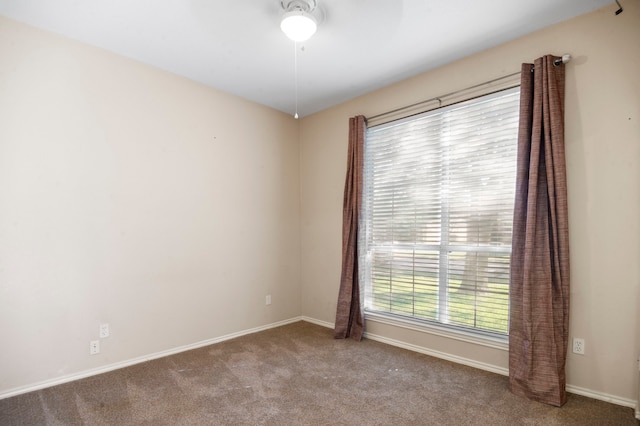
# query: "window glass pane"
426,278
478,290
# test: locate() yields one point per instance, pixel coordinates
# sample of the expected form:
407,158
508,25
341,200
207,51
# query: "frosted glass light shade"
298,25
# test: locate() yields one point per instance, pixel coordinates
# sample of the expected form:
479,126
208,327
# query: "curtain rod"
563,60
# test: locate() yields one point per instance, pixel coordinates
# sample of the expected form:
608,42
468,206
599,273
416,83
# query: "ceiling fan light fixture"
298,25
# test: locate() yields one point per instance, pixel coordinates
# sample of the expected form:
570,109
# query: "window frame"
468,334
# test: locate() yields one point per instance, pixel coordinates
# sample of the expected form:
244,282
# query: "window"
439,190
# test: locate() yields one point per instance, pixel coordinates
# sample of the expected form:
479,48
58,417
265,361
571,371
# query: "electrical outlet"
578,346
94,347
104,330
268,299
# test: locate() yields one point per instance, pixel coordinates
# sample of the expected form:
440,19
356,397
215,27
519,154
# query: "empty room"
417,212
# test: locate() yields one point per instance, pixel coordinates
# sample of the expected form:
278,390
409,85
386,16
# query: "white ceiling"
237,46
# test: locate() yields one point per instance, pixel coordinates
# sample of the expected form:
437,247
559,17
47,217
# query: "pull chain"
295,74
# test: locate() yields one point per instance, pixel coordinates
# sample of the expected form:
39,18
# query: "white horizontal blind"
437,216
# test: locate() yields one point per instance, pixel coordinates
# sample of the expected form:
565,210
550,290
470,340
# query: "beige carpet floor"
298,375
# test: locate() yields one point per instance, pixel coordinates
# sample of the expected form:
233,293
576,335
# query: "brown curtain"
539,292
349,320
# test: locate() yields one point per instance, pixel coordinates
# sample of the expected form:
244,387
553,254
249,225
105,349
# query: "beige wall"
135,197
603,156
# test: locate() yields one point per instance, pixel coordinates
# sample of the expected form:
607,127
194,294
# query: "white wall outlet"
268,299
94,347
578,346
104,330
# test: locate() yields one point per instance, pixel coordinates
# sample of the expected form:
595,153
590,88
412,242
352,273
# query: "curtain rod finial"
565,58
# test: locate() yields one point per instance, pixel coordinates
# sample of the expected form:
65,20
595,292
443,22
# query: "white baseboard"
437,354
122,364
420,349
318,322
442,355
602,396
625,402
502,371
